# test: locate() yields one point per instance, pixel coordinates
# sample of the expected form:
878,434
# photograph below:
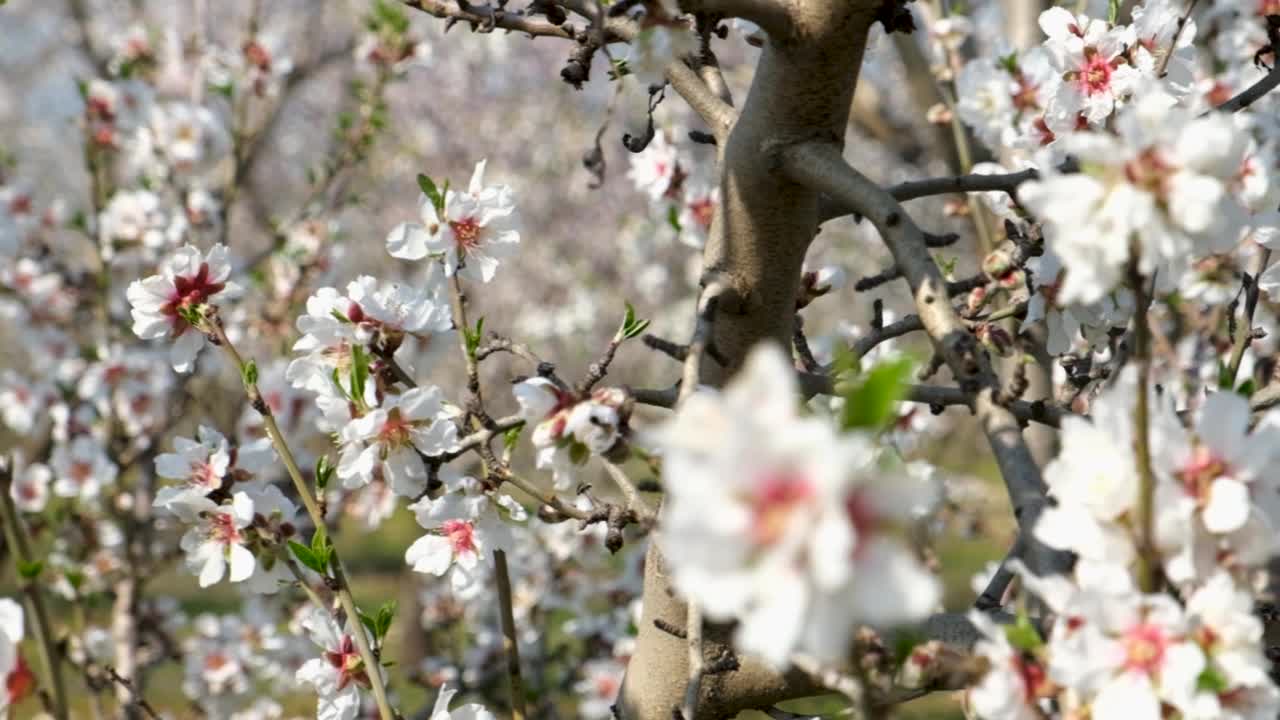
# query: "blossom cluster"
1112,649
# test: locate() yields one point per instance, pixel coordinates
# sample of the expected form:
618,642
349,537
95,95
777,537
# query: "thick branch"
772,16
1253,93
486,16
821,167
715,112
832,208
1007,182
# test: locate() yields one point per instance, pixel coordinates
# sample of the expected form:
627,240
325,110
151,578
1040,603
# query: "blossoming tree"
722,499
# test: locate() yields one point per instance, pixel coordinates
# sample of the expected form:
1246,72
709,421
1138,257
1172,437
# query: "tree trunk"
802,91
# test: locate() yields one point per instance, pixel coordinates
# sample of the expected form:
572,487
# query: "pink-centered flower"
769,498
188,282
1088,54
475,230
464,525
389,438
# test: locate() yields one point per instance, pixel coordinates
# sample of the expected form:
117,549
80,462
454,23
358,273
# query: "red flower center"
203,474
348,663
257,55
776,496
1200,470
81,471
395,430
189,292
222,528
466,232
702,210
1095,76
1145,646
606,686
461,535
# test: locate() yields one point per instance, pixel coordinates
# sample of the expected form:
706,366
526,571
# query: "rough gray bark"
802,90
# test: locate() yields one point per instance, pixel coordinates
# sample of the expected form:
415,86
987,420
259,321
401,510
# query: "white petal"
431,554
1228,506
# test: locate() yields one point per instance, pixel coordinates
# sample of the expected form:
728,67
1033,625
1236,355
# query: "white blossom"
387,439
188,281
478,228
768,499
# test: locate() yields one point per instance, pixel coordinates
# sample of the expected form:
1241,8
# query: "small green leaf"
578,453
872,403
339,316
432,192
74,579
1022,634
306,557
511,437
31,569
386,614
1224,376
370,624
320,544
249,374
631,327
472,338
673,218
1113,11
1213,681
359,371
1247,388
324,472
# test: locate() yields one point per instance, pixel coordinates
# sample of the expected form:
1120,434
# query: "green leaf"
1212,680
1224,376
306,557
382,622
320,544
1022,634
249,374
472,338
359,372
631,327
1247,388
370,623
432,192
324,472
74,579
673,218
1113,11
31,569
872,403
339,316
511,437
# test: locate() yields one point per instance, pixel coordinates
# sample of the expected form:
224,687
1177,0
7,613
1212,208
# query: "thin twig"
1245,336
16,536
510,646
343,587
1148,558
636,504
1163,68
